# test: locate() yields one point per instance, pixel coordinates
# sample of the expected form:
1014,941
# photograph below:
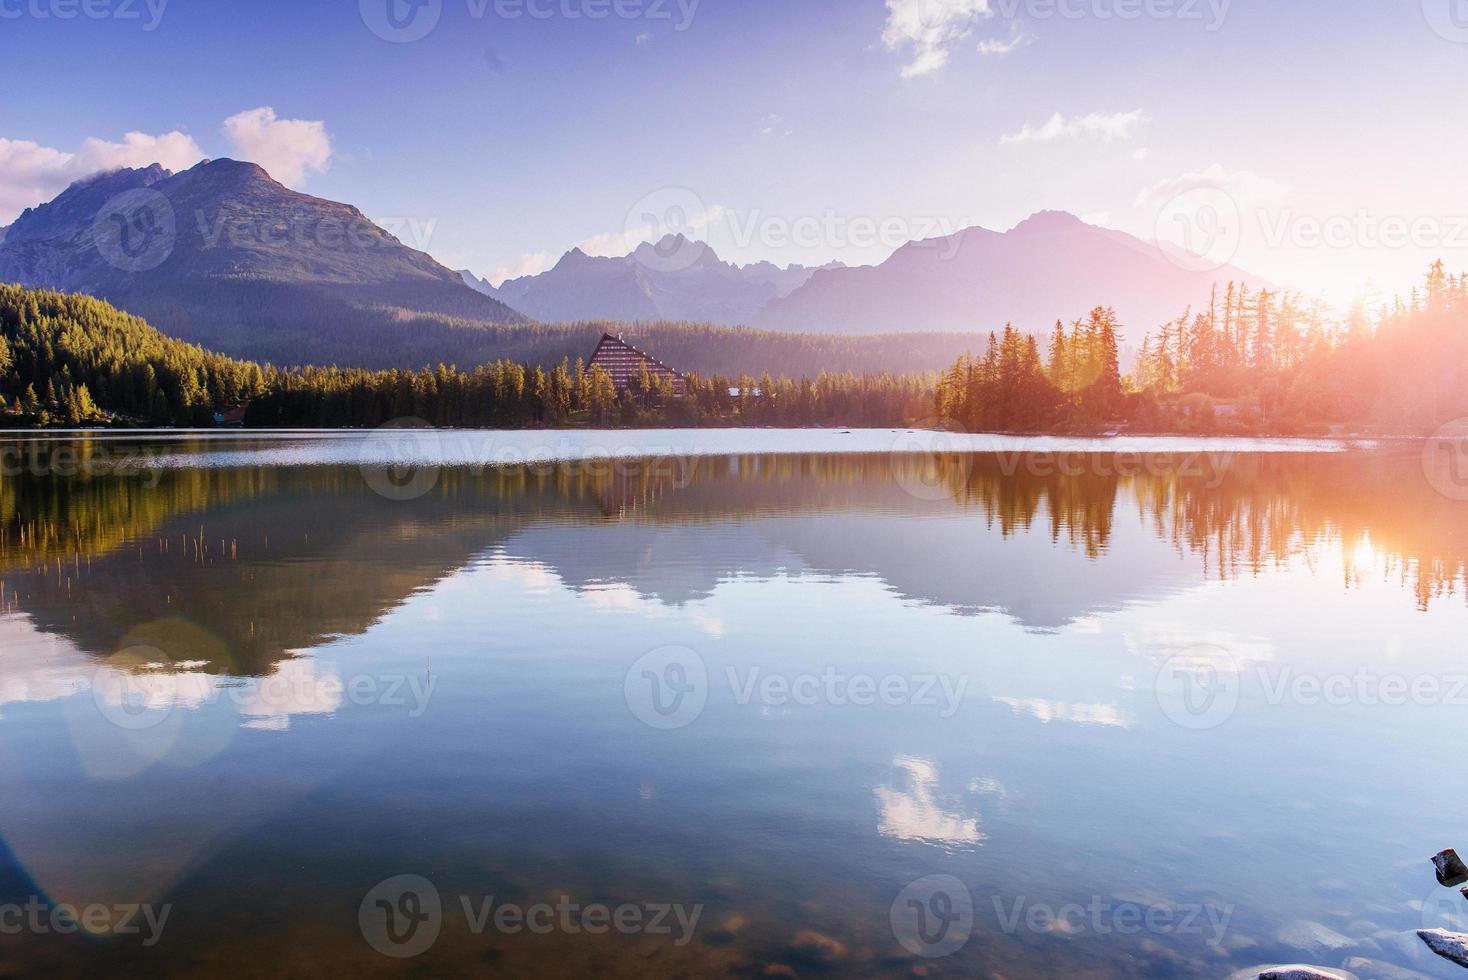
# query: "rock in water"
1451,870
1449,945
817,948
1377,970
1296,972
1313,939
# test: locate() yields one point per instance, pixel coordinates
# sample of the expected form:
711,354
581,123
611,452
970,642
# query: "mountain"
674,279
481,286
225,256
1052,266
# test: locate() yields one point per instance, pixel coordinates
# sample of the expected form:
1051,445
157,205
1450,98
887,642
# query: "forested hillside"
71,360
67,359
260,325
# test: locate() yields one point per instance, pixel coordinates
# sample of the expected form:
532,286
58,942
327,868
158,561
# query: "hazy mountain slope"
225,256
673,279
477,284
583,287
114,354
1051,266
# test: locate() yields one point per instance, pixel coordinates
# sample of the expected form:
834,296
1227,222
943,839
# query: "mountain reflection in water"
273,562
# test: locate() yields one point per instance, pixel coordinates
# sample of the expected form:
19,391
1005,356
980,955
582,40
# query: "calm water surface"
788,714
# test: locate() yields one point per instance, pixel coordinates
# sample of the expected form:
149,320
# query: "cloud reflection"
1046,711
914,813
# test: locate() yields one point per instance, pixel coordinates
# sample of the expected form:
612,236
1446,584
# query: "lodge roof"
611,344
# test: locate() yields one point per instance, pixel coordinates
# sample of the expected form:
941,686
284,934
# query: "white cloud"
175,151
644,38
928,29
1164,642
994,46
1141,154
529,264
32,174
915,813
38,666
774,125
1046,711
1096,125
615,244
611,244
287,148
293,687
1243,186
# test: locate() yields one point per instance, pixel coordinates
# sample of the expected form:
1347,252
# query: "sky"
1319,145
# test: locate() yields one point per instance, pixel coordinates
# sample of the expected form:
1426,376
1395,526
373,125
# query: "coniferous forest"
1243,362
68,360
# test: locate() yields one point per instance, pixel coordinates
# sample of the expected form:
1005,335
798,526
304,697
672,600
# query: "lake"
727,703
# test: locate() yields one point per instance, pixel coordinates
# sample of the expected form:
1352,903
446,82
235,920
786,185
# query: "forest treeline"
73,360
509,395
1246,362
1252,362
69,360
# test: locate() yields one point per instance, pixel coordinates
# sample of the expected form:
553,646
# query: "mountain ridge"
1051,266
223,255
673,279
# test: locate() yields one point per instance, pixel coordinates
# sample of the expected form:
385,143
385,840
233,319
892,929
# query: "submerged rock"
818,948
1296,971
1451,870
1313,937
1377,970
1449,945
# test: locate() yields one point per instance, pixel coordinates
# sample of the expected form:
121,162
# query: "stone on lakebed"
1451,871
1297,971
1451,946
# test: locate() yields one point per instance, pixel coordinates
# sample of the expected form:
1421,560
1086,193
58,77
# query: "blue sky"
797,130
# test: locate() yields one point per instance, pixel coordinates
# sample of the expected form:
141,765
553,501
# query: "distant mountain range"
673,279
225,256
1052,266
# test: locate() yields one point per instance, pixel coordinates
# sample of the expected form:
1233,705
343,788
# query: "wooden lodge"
625,363
233,415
